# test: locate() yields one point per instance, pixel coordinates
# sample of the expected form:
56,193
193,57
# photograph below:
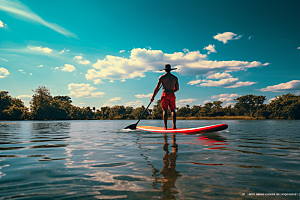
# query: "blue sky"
109,52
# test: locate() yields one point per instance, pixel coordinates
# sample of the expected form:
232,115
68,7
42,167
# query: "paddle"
133,126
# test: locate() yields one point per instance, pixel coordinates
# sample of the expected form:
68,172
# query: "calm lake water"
98,160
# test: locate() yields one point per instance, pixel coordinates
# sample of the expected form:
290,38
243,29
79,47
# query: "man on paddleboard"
170,86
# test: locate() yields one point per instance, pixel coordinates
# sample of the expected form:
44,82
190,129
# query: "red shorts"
168,99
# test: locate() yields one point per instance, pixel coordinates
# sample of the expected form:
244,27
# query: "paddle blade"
132,127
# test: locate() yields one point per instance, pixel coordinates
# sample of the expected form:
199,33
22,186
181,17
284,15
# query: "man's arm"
156,89
176,86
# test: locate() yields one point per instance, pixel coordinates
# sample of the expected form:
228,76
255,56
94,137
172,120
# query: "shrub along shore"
43,106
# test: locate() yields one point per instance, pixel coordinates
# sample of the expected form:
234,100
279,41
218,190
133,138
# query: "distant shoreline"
178,118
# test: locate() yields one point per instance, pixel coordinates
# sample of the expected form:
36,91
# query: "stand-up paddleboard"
211,128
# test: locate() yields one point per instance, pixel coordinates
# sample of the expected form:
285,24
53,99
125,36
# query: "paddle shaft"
146,108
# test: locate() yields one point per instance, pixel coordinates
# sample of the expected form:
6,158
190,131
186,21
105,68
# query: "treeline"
43,106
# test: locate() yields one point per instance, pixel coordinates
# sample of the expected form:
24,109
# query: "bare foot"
165,128
174,128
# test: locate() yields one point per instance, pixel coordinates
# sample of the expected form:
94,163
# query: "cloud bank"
226,83
143,95
83,90
43,49
68,68
293,85
143,60
82,60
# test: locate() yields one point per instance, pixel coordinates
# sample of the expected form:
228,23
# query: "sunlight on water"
102,160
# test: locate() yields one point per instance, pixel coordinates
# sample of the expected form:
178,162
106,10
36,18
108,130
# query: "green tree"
245,104
139,111
11,108
217,109
44,107
128,112
184,111
157,110
63,98
258,102
206,110
40,103
195,110
284,107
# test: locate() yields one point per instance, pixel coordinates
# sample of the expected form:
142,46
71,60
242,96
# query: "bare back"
169,82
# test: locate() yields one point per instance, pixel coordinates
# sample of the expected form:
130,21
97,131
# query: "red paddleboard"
211,128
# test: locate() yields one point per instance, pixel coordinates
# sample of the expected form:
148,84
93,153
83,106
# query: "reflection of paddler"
169,172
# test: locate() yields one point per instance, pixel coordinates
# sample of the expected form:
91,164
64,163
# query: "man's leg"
174,118
165,116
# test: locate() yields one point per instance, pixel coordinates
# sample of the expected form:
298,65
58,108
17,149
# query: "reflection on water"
94,160
168,171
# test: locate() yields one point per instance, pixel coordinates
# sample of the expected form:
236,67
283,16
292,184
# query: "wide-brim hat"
168,68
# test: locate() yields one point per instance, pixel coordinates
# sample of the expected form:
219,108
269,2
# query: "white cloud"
249,37
203,67
84,62
78,57
134,104
24,13
83,90
184,102
224,37
220,83
40,66
122,51
225,96
97,94
4,59
24,96
211,49
143,60
298,48
270,100
140,61
116,99
31,74
98,81
63,51
3,72
229,98
56,68
22,71
1,24
226,82
111,81
143,95
289,86
297,93
219,76
241,84
45,49
194,82
206,101
68,68
81,60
